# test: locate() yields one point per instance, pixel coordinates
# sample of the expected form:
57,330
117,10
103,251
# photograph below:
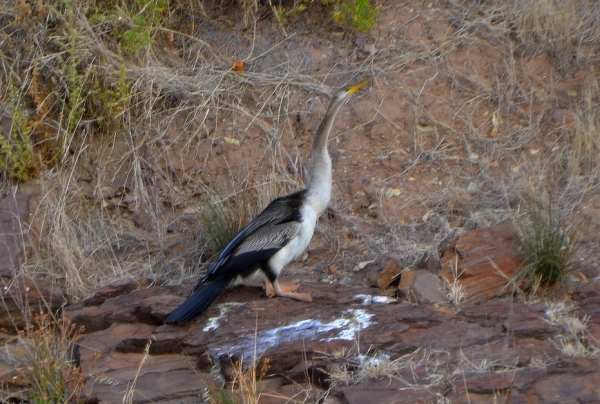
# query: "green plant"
51,371
111,101
281,15
358,13
73,100
17,156
549,245
133,23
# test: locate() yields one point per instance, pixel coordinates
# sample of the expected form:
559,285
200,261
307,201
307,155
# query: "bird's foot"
285,287
288,290
303,297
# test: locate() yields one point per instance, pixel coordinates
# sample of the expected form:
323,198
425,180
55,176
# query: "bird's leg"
303,297
284,287
269,291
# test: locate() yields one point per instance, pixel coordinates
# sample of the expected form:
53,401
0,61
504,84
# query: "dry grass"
113,117
109,115
47,363
422,369
456,292
574,340
136,110
558,28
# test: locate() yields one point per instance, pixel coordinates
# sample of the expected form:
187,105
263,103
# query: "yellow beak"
358,86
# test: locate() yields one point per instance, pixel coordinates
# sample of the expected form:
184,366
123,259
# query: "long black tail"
198,302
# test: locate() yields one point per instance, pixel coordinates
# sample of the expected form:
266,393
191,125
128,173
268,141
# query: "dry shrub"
555,27
50,367
558,28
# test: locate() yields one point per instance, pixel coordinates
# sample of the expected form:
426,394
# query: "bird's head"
345,93
355,87
337,100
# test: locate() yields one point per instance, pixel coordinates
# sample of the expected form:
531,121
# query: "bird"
278,235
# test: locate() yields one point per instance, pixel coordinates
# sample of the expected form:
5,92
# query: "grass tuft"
549,245
220,221
50,368
574,339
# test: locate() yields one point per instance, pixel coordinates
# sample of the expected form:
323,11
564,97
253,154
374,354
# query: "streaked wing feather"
280,211
269,237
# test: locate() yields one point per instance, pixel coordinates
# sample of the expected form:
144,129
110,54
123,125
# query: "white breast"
298,244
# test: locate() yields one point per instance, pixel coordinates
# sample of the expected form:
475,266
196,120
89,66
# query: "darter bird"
278,235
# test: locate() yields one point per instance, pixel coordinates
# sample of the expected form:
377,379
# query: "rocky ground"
474,112
397,339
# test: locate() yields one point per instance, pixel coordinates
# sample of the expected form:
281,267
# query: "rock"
142,220
14,209
148,306
356,186
384,391
23,298
109,192
176,200
520,353
382,272
431,262
566,388
149,378
488,382
13,358
122,183
483,261
524,320
421,286
406,281
453,335
497,346
271,391
333,270
117,288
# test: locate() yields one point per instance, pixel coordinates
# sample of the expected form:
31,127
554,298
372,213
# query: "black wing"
266,234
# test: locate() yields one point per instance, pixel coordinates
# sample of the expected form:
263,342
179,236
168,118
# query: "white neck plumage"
319,187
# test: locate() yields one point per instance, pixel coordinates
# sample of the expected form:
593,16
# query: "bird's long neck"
319,187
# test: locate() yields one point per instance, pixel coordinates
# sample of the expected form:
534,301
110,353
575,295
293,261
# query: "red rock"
526,326
92,318
566,388
117,288
453,335
23,298
524,320
156,377
356,186
484,261
149,306
299,339
384,391
143,220
382,272
511,353
489,381
270,393
422,286
406,280
333,270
